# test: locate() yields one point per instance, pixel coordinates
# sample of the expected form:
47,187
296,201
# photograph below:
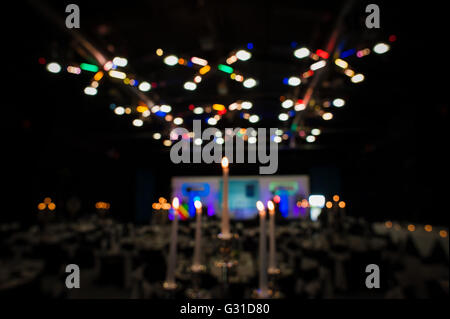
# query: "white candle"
197,265
272,250
170,278
263,291
225,216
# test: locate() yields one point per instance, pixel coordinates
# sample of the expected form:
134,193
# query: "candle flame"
260,205
175,203
270,205
198,204
225,162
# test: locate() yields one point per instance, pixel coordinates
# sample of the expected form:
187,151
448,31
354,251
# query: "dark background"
383,153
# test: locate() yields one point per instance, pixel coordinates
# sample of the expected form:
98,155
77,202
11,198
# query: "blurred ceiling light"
381,48
119,110
315,131
204,70
141,108
253,118
327,116
246,105
301,53
198,110
145,86
138,122
218,107
357,78
165,108
310,139
243,55
287,103
90,90
146,113
94,84
178,121
252,140
98,76
338,102
341,63
349,72
249,83
212,121
74,70
318,65
122,62
283,117
299,107
117,74
53,67
323,54
171,60
199,61
239,78
294,81
108,66
232,59
89,67
198,79
362,53
190,86
233,106
225,68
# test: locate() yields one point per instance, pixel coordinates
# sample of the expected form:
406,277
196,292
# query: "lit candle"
197,265
225,216
170,279
263,291
272,253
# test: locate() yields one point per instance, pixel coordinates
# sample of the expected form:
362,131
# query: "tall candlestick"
272,249
197,265
263,291
225,216
170,278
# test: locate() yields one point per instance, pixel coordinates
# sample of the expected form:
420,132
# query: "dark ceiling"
380,141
